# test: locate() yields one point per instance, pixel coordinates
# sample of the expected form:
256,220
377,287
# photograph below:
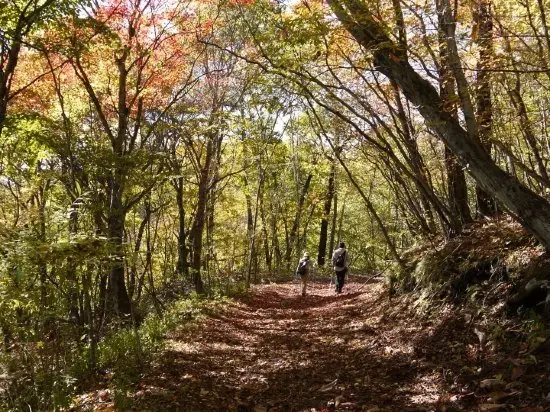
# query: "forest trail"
279,351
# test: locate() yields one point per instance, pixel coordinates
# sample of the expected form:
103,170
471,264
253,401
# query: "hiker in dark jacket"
340,261
303,269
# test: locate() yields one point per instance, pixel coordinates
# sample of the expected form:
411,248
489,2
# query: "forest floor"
278,351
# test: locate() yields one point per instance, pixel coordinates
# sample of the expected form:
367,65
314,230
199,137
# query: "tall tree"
484,107
456,180
128,93
531,210
329,196
18,19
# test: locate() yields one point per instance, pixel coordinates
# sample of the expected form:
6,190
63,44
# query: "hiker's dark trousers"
340,278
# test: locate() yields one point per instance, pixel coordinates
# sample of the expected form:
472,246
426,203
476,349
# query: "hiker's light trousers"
304,283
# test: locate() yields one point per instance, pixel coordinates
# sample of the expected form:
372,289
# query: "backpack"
340,261
302,267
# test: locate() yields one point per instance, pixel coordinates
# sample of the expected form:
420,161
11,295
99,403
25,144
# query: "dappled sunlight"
282,351
275,350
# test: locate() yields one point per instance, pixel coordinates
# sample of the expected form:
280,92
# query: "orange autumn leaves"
158,40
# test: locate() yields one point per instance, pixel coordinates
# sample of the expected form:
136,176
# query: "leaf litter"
358,351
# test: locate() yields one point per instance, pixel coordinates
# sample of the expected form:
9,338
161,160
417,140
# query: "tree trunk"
456,180
516,97
182,267
137,247
118,299
6,72
116,216
275,237
72,278
457,190
253,259
484,107
302,242
42,266
368,204
214,175
249,227
475,130
447,25
323,235
89,317
542,12
267,249
427,195
531,210
200,216
27,16
333,223
294,231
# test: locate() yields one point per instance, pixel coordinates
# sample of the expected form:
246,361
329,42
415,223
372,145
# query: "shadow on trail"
276,300
280,352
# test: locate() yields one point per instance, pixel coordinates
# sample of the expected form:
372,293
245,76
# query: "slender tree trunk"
90,319
252,238
72,278
400,24
42,268
333,223
484,107
302,243
447,24
267,249
200,216
456,181
476,131
102,274
275,237
516,96
27,15
211,208
343,209
118,298
427,196
137,247
116,217
182,266
119,301
249,226
150,245
323,235
542,11
6,72
294,231
370,207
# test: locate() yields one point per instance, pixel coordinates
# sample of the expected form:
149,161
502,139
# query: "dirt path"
278,351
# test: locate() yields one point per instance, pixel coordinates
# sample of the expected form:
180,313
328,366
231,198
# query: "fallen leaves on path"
278,351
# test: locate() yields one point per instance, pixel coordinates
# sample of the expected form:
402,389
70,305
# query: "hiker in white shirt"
303,269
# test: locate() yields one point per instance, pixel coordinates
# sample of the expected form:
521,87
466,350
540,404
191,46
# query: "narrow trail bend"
279,351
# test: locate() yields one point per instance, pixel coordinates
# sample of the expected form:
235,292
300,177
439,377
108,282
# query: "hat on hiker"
341,244
306,254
